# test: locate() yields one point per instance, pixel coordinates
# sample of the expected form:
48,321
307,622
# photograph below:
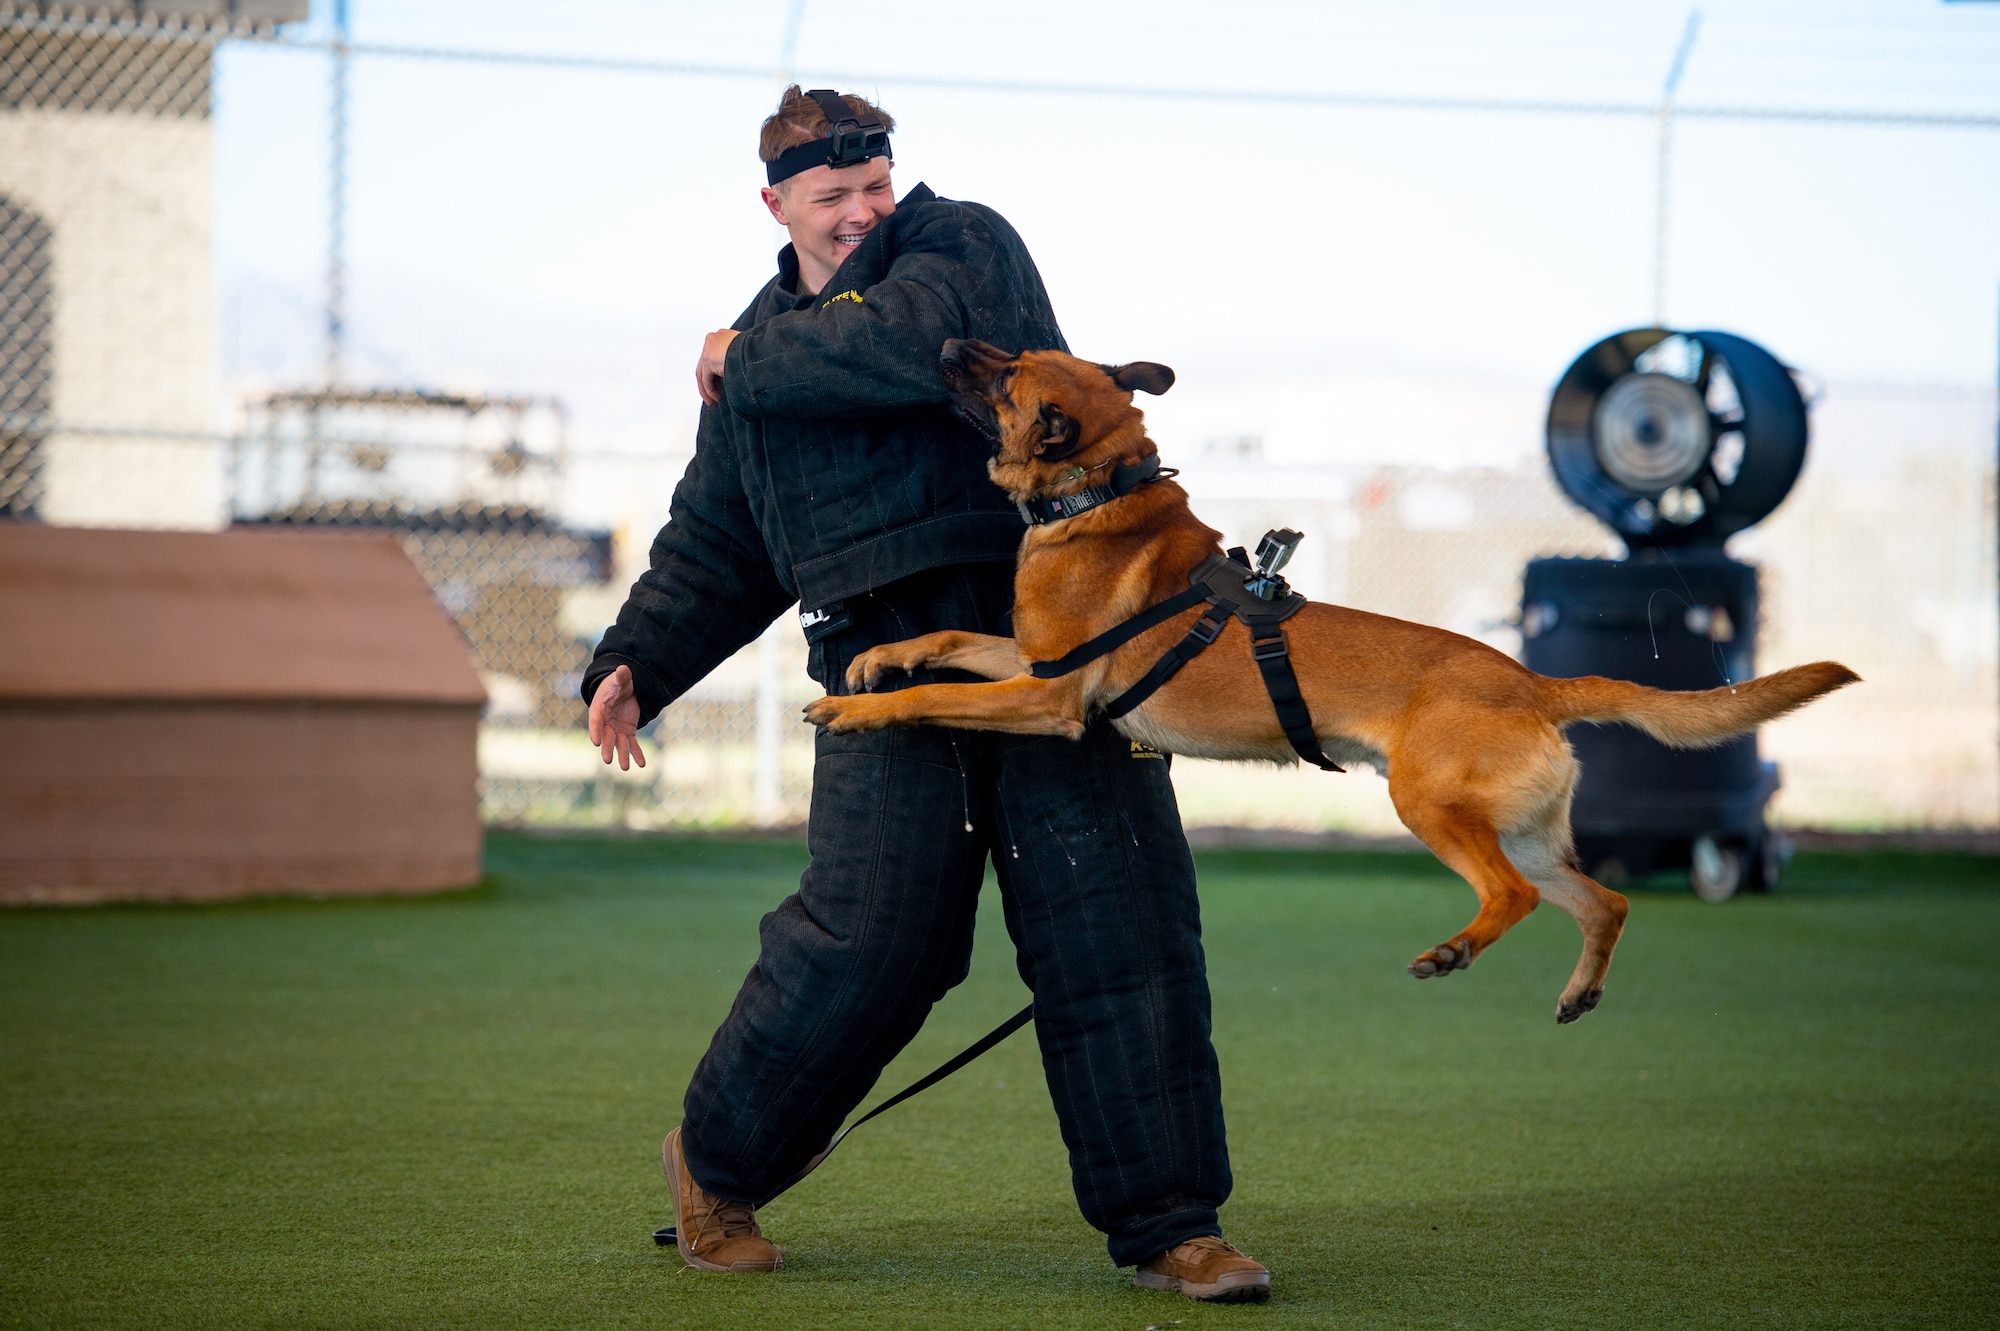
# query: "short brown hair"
798,119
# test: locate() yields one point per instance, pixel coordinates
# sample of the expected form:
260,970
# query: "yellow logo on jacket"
854,296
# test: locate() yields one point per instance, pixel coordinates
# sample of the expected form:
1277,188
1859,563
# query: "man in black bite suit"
829,471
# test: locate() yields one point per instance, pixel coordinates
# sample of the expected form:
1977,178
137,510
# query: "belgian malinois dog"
1470,740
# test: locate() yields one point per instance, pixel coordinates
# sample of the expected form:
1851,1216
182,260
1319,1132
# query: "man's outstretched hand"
708,370
614,719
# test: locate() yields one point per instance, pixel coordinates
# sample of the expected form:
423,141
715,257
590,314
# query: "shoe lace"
1201,1243
732,1219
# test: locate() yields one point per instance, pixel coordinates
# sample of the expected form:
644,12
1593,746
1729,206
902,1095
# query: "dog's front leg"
979,653
1022,705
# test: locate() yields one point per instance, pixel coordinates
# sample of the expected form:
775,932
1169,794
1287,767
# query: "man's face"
828,211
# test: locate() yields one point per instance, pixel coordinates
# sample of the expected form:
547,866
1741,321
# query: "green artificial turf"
447,1111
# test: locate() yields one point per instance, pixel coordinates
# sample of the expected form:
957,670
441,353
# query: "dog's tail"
1698,718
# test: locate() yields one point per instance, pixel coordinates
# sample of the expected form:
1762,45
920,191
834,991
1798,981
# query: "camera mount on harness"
1231,588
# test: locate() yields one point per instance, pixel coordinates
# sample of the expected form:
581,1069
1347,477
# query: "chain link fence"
106,352
66,74
468,484
27,369
82,58
732,753
1883,558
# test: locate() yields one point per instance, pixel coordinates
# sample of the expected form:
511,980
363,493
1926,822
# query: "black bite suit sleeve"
711,587
858,354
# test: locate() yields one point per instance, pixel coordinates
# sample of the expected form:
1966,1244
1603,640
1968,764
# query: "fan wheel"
1679,438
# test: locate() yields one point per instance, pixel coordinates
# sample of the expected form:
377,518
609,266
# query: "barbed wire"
1883,117
47,427
185,30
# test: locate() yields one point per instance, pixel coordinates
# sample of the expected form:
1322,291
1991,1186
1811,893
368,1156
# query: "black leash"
666,1236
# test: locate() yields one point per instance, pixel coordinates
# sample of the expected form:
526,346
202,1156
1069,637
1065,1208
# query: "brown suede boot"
1206,1268
715,1234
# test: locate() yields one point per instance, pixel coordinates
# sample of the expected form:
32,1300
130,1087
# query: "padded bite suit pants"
1099,898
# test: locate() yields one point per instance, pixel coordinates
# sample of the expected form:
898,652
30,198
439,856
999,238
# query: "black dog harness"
1231,588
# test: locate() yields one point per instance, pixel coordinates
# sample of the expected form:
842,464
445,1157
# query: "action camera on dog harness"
1273,553
852,142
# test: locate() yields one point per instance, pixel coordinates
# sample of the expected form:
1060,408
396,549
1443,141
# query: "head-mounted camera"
852,141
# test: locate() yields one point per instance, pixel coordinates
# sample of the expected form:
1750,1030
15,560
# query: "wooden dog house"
210,715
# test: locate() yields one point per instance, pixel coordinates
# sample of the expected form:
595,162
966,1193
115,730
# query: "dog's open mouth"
969,404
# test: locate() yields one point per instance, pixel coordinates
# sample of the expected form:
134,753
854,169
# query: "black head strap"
851,140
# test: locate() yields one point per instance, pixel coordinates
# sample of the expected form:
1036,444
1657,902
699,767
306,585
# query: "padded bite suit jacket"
835,466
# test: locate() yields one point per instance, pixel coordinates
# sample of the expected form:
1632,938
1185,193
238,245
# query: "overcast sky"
568,232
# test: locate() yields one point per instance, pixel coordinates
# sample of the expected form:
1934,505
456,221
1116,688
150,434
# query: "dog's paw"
835,714
1443,959
1569,1009
869,668
864,711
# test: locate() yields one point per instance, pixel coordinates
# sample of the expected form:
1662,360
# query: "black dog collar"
1042,510
851,141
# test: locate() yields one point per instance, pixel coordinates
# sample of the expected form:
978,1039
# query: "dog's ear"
1141,376
1060,434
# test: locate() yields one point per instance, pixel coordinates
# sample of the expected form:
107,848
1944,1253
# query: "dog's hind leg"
1542,852
1463,837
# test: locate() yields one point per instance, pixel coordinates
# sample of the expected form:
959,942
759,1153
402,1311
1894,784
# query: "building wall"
124,187
202,801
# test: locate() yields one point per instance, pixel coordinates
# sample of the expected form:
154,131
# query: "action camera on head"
852,141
